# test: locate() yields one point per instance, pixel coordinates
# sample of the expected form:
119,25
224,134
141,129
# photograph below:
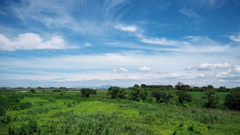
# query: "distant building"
180,83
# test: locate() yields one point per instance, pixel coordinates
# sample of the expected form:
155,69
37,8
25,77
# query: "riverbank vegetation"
137,110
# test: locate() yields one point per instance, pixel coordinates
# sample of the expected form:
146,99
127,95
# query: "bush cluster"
138,94
165,96
183,96
117,92
211,98
86,92
232,101
12,102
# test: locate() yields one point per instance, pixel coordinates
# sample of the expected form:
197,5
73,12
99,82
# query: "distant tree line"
178,95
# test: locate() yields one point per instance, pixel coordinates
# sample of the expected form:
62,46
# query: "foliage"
122,93
143,85
165,96
32,90
94,92
138,94
183,87
12,102
25,129
232,101
57,90
113,91
86,92
136,85
211,98
222,89
183,96
2,111
237,89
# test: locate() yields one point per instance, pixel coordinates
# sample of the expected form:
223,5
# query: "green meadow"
69,113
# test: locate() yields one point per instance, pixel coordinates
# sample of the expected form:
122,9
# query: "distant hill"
104,86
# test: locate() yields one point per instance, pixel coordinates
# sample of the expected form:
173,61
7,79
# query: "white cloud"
201,75
206,66
30,41
144,69
190,68
88,44
236,69
233,72
175,75
134,77
126,28
163,41
235,38
121,70
75,15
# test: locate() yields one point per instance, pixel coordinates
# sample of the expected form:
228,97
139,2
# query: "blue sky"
119,42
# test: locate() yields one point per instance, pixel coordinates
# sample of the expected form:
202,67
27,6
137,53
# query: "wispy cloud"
126,28
31,41
235,38
189,44
145,69
79,16
206,66
163,41
189,13
87,44
121,70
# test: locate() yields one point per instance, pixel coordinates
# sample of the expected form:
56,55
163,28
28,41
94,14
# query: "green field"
200,94
69,113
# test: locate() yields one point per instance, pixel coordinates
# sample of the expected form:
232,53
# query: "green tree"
136,85
210,87
211,98
143,93
86,92
143,86
113,91
122,93
196,89
166,96
232,101
222,89
32,90
2,111
183,96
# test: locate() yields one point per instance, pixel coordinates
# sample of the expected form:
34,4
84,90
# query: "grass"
71,114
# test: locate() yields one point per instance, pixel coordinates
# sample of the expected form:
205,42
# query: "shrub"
2,111
57,90
86,92
32,90
94,92
183,96
113,91
211,98
166,96
232,101
143,86
122,93
136,85
143,93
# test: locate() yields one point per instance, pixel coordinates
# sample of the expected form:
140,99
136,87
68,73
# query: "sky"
71,43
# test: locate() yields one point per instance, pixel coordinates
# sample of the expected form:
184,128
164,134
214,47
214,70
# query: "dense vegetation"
145,109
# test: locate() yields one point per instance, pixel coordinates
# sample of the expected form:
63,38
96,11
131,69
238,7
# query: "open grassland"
69,113
200,94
